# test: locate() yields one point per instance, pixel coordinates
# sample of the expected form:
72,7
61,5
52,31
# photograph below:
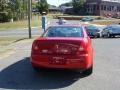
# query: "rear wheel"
103,36
108,35
88,71
94,36
113,36
98,36
37,69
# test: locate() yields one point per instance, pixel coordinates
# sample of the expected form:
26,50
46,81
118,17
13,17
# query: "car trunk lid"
59,45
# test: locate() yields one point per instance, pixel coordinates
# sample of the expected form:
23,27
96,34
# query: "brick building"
103,7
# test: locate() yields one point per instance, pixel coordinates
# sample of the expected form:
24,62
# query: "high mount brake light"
82,50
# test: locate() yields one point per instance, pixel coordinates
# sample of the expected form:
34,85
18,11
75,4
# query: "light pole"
29,18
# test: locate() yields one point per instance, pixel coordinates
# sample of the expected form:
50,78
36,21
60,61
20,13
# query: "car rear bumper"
79,63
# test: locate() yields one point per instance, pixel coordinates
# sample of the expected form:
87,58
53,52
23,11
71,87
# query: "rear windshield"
64,31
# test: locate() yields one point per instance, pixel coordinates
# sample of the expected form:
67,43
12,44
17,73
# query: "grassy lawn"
106,22
35,22
4,41
19,24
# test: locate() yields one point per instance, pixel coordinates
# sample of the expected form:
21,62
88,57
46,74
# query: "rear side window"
64,31
92,28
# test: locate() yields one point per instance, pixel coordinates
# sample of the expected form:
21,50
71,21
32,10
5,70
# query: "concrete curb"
33,27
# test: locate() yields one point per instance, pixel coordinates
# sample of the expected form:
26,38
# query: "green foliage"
67,4
5,12
12,9
100,18
18,8
43,6
4,17
78,6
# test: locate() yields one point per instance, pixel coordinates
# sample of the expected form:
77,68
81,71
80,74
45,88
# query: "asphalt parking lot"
17,73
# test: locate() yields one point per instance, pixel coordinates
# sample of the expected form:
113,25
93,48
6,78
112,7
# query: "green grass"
4,41
106,22
19,24
4,51
35,22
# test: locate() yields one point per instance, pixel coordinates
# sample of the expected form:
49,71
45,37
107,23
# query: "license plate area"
57,61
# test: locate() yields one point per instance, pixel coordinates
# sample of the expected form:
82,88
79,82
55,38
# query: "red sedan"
63,46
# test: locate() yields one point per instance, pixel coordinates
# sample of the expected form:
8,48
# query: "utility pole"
31,8
29,18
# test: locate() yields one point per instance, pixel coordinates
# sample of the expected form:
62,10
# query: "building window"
102,7
94,7
105,7
118,9
112,7
108,8
98,7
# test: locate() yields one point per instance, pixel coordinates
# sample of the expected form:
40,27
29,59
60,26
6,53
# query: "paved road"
17,73
21,32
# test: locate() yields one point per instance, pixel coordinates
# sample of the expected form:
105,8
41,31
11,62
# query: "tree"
18,8
43,6
12,9
68,4
78,6
5,12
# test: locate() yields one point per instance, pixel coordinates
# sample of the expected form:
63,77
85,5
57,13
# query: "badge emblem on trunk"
56,46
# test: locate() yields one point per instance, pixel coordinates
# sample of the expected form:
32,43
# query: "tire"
98,36
37,69
103,36
108,35
95,36
88,71
113,36
40,69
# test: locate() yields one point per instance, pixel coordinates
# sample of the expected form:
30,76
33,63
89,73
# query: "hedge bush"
5,17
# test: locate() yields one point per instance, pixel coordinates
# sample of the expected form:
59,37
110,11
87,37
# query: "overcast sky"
57,2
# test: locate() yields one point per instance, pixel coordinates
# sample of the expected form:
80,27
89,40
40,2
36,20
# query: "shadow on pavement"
21,76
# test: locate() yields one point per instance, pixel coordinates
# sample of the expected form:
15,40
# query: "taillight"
35,46
81,48
45,51
82,51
